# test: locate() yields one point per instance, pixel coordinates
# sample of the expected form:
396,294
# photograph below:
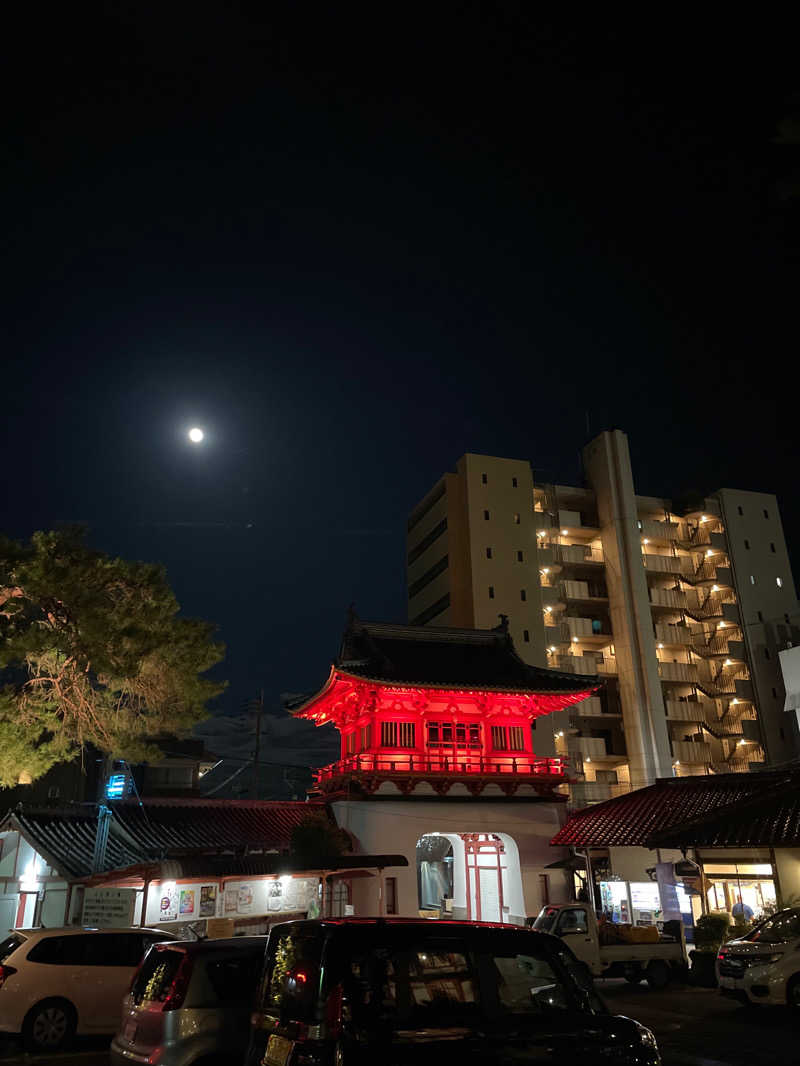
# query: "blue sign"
116,786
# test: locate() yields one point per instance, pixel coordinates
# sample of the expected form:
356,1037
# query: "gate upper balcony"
429,708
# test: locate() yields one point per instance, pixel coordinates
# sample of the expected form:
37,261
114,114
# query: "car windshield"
546,920
783,926
10,945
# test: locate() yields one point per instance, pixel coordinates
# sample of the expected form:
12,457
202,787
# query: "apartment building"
682,609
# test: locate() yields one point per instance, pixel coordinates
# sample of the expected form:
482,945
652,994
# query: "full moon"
196,435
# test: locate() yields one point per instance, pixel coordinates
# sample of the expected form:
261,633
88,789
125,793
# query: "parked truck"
632,953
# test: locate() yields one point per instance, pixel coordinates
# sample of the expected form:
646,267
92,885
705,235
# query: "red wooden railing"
413,763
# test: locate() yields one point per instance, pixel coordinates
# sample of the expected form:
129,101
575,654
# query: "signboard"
220,928
106,908
168,903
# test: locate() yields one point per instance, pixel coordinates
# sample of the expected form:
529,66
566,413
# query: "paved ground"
694,1027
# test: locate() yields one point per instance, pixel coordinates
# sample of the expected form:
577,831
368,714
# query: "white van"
763,966
58,982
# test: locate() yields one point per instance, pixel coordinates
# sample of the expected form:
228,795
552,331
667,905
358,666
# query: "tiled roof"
770,820
66,840
173,825
157,829
437,656
633,819
216,866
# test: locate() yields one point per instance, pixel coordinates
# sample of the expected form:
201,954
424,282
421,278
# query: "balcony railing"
577,553
662,564
449,765
674,598
587,664
691,751
685,710
655,529
668,634
677,672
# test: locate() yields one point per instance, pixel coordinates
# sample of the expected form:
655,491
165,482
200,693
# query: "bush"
711,930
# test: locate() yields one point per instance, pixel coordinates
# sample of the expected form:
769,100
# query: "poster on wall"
244,902
231,899
168,906
208,901
275,896
187,901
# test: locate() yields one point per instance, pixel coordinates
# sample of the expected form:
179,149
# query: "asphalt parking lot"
694,1027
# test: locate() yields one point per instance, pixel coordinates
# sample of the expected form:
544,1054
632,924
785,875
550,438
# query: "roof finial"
503,627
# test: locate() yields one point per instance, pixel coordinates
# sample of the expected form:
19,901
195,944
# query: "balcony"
583,592
691,751
669,634
661,564
587,664
368,771
577,555
685,673
719,647
591,707
658,531
587,747
685,711
712,606
586,630
671,599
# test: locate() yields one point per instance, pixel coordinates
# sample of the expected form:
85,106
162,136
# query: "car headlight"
646,1038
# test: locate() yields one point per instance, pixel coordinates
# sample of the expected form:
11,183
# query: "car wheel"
49,1025
633,975
657,974
793,992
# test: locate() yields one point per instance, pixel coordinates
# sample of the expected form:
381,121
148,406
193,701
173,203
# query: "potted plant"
710,931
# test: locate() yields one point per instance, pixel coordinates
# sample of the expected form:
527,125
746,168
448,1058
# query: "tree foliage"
316,837
92,651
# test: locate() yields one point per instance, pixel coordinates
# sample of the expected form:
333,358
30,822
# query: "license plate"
278,1051
129,1032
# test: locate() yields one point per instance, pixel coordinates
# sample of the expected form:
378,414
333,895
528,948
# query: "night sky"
354,249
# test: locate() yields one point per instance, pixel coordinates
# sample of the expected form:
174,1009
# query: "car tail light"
6,971
176,993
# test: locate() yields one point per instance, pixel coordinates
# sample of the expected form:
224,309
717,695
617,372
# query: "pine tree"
92,651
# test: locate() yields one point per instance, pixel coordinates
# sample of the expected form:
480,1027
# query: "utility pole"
257,705
103,817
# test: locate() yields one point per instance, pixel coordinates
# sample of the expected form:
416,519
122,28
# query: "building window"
766,513
364,737
491,592
397,734
752,579
513,483
488,553
523,595
747,543
516,518
486,516
760,616
766,653
779,582
774,694
350,744
508,738
484,479
544,888
520,557
783,735
772,547
391,895
740,510
445,734
526,636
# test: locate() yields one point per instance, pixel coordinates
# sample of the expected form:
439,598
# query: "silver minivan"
190,1003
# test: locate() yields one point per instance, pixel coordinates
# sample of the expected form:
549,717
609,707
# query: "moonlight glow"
196,435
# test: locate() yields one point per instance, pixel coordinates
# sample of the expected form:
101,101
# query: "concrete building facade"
680,608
